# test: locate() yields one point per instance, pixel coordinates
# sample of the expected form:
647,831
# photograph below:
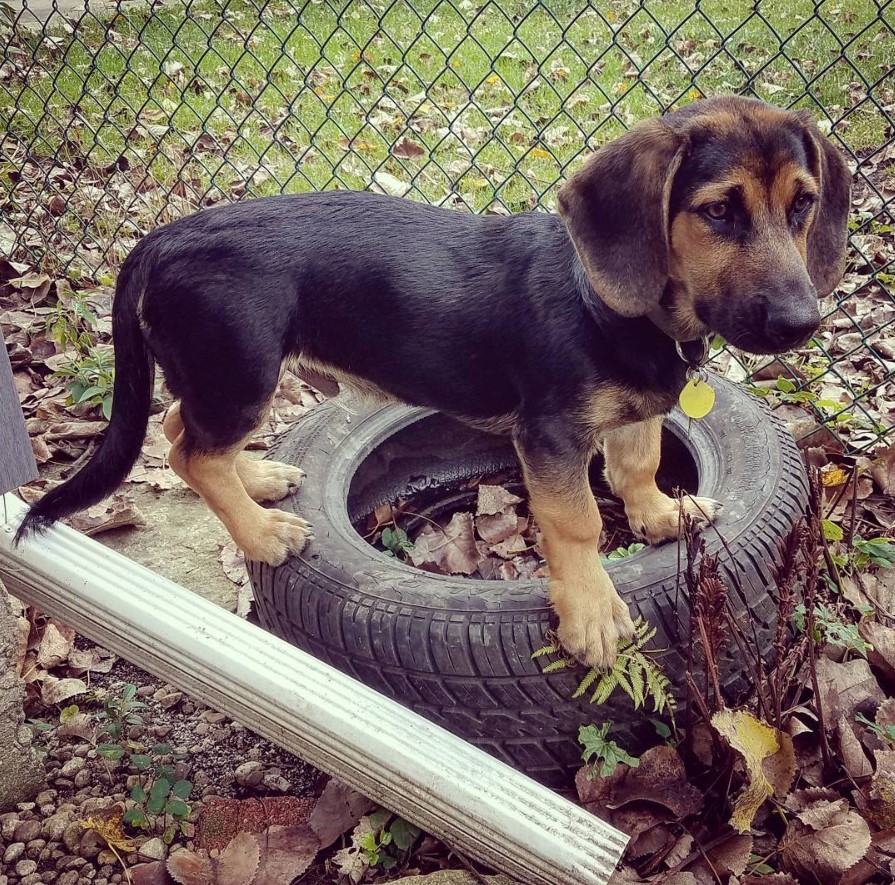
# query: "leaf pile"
498,540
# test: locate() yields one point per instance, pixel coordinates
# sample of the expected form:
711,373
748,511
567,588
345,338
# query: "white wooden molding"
429,776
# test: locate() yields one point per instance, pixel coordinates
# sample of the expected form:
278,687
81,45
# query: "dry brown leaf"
824,841
90,660
755,741
780,769
338,809
114,514
883,470
885,713
497,527
55,644
451,550
851,753
190,868
234,563
661,779
55,691
407,149
286,854
79,726
730,857
511,546
881,804
238,862
882,655
495,499
846,688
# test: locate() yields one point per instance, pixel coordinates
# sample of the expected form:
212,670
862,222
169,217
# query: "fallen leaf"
452,550
883,470
824,841
286,854
881,804
496,527
755,741
494,499
55,691
108,824
190,868
780,768
338,809
114,514
407,149
239,861
846,688
851,753
55,644
882,655
389,184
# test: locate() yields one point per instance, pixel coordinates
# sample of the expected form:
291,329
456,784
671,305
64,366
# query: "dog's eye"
801,203
719,211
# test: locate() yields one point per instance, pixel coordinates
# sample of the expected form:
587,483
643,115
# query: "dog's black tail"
131,400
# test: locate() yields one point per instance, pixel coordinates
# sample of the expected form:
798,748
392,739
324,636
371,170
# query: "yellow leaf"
107,825
755,741
540,153
834,476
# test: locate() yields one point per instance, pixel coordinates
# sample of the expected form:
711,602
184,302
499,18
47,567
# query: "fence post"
21,772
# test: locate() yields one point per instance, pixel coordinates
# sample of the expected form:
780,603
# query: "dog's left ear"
829,231
615,208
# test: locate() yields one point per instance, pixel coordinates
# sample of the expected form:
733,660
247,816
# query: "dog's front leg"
592,616
632,458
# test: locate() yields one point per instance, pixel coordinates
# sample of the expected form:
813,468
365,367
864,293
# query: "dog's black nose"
791,328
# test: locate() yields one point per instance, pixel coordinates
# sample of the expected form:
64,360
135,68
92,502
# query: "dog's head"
728,215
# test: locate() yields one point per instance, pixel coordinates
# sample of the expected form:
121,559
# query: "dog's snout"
791,322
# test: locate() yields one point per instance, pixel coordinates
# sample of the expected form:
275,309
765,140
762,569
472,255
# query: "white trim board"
429,776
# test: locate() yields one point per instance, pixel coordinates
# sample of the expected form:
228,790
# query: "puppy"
563,331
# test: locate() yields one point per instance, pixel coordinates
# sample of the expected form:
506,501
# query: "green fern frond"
551,649
561,664
586,683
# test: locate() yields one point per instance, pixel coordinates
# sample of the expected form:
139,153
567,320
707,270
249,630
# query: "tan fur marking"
632,458
361,386
592,616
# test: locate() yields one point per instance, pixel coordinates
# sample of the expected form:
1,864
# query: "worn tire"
459,651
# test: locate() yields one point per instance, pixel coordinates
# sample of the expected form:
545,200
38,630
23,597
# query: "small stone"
13,852
82,751
106,858
83,778
45,797
187,708
26,806
276,782
27,830
69,878
26,867
36,846
91,844
8,824
201,728
168,697
32,879
160,731
72,767
145,691
54,826
249,774
49,876
74,863
153,849
71,836
64,783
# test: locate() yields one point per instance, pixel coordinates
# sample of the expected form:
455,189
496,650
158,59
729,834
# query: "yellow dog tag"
697,398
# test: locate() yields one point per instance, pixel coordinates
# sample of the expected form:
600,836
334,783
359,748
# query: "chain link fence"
117,117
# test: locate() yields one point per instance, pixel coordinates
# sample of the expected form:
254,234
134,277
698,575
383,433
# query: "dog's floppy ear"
829,230
615,208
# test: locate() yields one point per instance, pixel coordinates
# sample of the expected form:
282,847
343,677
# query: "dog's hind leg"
263,480
216,473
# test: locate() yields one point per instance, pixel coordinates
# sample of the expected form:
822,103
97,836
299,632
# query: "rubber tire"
458,650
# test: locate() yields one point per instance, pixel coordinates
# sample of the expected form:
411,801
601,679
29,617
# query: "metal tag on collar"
697,398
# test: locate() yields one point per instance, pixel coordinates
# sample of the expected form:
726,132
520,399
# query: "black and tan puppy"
727,216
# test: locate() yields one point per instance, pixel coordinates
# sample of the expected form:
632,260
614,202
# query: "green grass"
501,99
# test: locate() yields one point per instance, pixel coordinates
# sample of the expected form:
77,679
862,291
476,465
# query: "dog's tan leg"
263,480
592,616
263,535
632,458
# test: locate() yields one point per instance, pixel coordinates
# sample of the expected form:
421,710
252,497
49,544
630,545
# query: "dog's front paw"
592,624
280,534
660,519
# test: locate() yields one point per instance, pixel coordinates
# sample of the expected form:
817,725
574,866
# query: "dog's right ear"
615,208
